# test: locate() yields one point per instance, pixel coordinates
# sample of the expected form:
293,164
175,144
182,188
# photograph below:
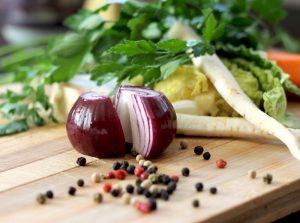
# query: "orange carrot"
289,62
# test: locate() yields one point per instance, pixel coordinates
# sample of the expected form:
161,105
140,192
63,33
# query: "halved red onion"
148,119
94,128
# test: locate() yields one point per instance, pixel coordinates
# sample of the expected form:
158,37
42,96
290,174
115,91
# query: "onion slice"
94,128
148,119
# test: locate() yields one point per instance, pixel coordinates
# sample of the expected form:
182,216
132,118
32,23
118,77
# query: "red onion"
148,119
94,128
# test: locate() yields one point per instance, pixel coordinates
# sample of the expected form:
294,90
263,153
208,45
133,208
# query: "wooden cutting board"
42,159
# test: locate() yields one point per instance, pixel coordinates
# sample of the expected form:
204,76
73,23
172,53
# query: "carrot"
289,62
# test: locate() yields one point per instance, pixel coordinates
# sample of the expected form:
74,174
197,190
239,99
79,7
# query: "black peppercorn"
81,161
130,189
115,192
125,163
130,169
166,179
164,195
198,150
196,203
199,186
185,172
152,204
116,165
171,187
147,193
206,155
72,191
159,178
49,194
156,194
80,183
213,190
140,190
138,181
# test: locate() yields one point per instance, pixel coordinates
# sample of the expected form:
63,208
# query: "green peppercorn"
49,194
268,178
41,199
81,161
185,172
198,150
98,198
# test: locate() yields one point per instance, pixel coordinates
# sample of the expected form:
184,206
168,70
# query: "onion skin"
93,127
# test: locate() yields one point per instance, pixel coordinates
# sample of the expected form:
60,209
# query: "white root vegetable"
229,89
186,107
193,125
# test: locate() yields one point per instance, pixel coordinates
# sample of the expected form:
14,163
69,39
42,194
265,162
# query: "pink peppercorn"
120,174
144,175
175,178
110,175
221,163
138,171
143,207
107,187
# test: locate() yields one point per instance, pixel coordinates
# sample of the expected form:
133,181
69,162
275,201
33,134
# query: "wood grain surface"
42,159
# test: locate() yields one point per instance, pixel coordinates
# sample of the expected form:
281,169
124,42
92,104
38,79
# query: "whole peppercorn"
183,144
268,178
220,163
116,165
139,157
80,183
138,171
144,175
72,191
120,174
96,177
138,182
171,187
115,192
130,189
199,187
196,203
107,187
159,178
98,198
175,178
206,156
185,172
144,207
252,174
213,190
153,204
153,188
166,179
140,190
81,161
198,150
141,162
152,169
41,199
147,163
130,169
125,163
126,198
156,194
133,152
147,193
146,183
110,175
153,177
164,195
49,194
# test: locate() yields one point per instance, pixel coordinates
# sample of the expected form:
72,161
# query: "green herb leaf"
173,45
132,48
14,127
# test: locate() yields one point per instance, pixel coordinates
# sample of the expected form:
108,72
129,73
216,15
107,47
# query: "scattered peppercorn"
175,178
166,179
268,178
213,190
125,163
198,150
126,198
96,177
107,187
115,192
199,187
206,156
140,190
185,172
196,203
80,183
147,163
221,163
156,194
110,175
98,198
141,162
130,189
153,177
152,204
146,183
147,193
120,174
49,194
130,169
152,169
144,175
183,144
138,182
72,191
138,171
164,195
143,206
252,174
41,199
81,161
139,157
171,187
116,165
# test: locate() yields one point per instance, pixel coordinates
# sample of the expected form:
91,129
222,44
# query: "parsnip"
229,89
194,125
